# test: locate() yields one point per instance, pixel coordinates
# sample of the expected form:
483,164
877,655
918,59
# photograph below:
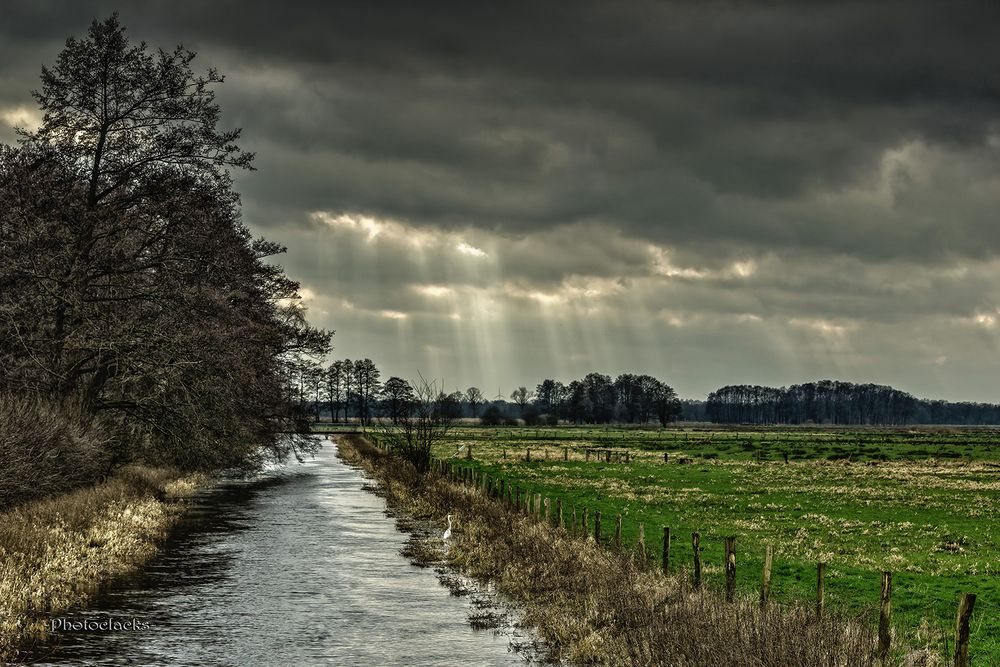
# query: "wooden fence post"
548,510
538,505
559,513
517,498
820,588
642,544
468,453
565,453
618,532
573,530
696,547
884,617
527,455
587,453
666,550
765,586
730,568
965,606
586,522
597,526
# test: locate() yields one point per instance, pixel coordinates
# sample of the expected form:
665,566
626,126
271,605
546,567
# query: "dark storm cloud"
803,182
642,115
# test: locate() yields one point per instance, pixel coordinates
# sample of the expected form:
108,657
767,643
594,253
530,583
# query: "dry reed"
55,554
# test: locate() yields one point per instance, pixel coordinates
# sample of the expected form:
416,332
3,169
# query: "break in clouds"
712,193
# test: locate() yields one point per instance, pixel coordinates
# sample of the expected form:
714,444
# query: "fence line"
532,507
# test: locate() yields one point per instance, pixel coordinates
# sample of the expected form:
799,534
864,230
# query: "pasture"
921,503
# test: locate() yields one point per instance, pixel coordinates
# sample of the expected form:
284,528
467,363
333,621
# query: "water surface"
300,568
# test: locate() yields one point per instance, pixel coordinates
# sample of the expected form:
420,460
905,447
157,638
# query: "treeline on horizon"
835,402
353,390
140,321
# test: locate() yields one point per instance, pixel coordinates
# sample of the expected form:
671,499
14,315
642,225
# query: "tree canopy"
128,283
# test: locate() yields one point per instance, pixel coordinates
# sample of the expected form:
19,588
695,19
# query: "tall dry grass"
592,605
56,553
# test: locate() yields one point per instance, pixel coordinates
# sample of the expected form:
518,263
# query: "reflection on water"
301,568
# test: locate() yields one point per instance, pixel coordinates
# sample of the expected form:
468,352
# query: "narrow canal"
299,568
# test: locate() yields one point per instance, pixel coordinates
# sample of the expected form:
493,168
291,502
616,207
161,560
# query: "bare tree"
335,388
522,397
128,283
348,369
397,395
366,376
427,423
475,399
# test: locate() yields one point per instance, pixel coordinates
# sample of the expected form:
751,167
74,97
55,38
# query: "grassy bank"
56,553
594,605
922,503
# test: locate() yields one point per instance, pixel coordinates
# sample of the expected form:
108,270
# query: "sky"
712,193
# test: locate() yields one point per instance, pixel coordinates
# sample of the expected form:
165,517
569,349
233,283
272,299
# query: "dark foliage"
831,402
492,416
597,399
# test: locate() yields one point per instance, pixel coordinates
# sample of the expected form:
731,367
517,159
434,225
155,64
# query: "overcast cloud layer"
712,193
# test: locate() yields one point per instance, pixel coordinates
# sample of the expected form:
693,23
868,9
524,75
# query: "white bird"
447,533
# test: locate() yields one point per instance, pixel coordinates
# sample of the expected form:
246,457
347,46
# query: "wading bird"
447,533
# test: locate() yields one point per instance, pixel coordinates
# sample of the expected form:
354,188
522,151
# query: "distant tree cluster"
129,287
956,413
597,399
350,390
833,402
693,411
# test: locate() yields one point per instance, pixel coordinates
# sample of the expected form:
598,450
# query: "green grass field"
922,503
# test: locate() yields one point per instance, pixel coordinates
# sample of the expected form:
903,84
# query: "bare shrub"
47,448
414,431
